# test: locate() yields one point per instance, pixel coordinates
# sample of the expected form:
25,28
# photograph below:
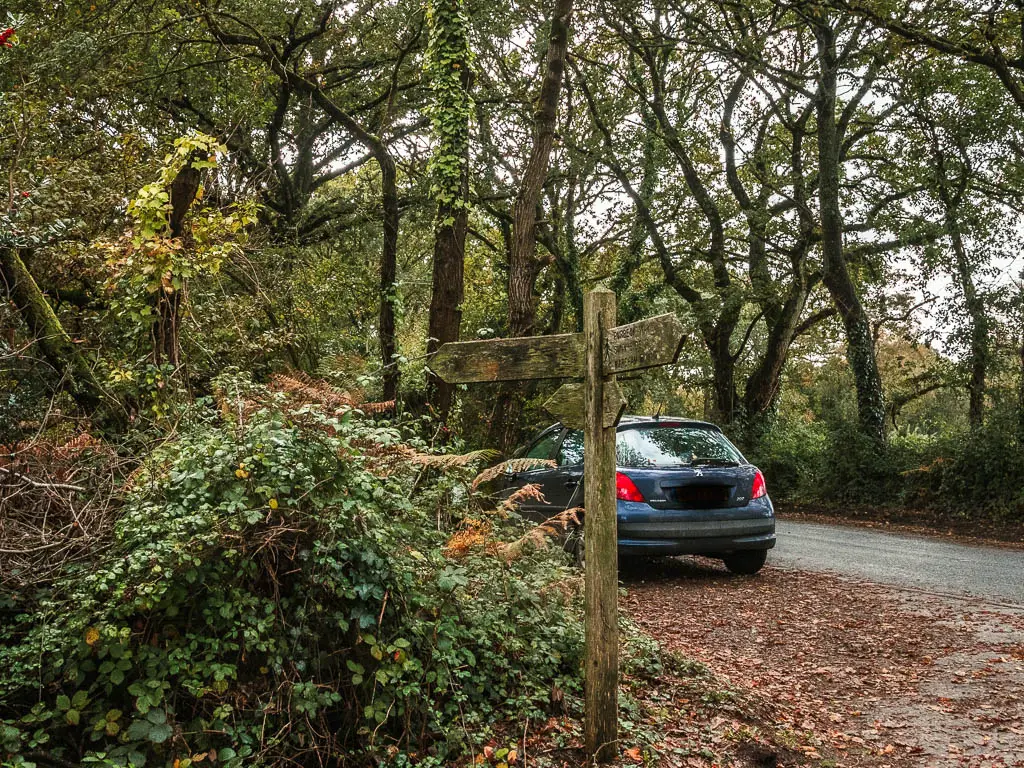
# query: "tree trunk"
762,389
446,298
717,335
523,265
979,328
630,304
523,269
567,255
54,343
1020,394
388,272
760,395
723,368
166,348
183,191
979,353
449,37
391,216
860,345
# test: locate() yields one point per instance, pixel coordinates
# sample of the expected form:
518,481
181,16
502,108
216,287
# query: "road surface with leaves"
844,671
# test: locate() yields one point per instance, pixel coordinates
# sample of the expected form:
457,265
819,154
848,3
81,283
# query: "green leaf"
139,730
156,716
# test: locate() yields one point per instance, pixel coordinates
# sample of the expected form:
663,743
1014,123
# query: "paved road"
914,561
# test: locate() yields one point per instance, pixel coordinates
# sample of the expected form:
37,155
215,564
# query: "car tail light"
759,488
625,489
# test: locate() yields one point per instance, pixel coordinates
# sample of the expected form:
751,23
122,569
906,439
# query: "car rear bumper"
703,546
643,530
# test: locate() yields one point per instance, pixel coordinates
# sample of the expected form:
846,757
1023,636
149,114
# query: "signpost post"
595,406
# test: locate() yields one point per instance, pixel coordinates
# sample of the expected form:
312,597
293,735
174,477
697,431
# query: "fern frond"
452,460
539,536
376,408
529,492
305,388
472,534
510,466
76,445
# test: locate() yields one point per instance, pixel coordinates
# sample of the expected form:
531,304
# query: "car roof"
631,420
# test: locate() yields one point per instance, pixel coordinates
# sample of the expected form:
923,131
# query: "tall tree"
764,178
524,266
450,69
860,343
285,58
986,34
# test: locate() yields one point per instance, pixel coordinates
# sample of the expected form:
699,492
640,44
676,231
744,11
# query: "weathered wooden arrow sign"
633,347
595,406
643,344
530,357
567,405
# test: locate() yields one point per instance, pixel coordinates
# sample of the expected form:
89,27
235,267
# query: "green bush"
267,598
790,457
964,472
980,472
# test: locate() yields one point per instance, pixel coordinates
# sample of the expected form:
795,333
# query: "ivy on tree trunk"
860,343
53,341
450,69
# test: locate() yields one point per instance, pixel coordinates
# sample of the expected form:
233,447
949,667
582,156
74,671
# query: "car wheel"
745,563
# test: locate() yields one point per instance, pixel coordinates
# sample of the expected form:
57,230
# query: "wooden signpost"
595,406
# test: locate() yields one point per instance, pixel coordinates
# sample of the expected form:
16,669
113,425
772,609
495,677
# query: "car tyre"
745,563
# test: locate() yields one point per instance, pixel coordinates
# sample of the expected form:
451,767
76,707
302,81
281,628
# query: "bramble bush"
276,589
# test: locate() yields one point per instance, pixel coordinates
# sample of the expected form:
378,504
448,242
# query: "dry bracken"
511,466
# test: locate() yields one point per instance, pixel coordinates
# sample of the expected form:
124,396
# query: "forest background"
829,197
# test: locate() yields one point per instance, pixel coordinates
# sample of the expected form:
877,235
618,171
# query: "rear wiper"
707,460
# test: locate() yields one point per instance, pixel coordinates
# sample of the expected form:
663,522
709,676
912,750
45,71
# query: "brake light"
625,489
759,489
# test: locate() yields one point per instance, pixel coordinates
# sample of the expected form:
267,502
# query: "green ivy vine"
448,67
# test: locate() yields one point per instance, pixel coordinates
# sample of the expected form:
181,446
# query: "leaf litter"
822,670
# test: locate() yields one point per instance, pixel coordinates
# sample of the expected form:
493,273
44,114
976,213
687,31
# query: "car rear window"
656,446
672,445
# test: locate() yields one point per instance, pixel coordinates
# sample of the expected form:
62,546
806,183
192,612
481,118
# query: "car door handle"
571,483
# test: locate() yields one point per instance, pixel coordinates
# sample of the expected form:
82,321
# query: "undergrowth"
279,588
973,474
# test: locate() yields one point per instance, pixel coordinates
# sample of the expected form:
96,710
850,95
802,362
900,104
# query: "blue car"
682,488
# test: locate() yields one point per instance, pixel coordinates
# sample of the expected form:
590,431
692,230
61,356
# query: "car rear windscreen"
672,446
